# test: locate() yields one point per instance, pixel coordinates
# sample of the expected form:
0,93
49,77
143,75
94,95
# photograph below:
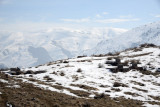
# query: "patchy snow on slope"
4,81
93,76
149,57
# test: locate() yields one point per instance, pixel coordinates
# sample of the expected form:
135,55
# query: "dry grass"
140,89
84,87
30,96
137,83
138,55
117,84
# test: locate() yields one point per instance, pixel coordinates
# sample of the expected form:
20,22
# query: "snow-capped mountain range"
24,49
149,33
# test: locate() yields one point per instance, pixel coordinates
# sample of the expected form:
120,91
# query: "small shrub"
89,60
137,49
47,78
107,91
81,61
126,63
15,69
109,58
16,72
116,53
116,89
39,72
148,45
82,56
138,83
60,61
56,105
75,77
62,74
117,84
140,89
99,96
5,69
118,60
100,65
65,61
30,75
111,63
31,79
143,45
110,54
79,70
140,68
29,72
134,64
86,104
113,70
69,65
100,55
54,73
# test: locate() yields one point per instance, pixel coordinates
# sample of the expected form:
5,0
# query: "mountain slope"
149,33
34,48
130,76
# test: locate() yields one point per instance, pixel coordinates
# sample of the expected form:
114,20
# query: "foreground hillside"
128,78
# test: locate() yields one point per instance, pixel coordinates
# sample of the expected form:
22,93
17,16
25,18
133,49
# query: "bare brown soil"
29,96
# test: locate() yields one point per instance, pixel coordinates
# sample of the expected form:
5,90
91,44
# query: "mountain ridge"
149,33
51,44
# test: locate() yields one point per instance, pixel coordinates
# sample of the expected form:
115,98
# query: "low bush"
79,70
47,78
86,104
65,61
62,74
99,96
5,69
100,65
39,72
117,84
15,72
109,58
116,89
110,54
29,72
15,69
148,45
82,56
118,60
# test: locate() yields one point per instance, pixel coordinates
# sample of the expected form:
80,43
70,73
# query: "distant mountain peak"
149,33
24,49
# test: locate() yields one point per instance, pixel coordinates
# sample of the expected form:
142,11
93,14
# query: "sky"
40,14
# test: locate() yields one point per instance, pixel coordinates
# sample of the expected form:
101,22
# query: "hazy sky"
77,13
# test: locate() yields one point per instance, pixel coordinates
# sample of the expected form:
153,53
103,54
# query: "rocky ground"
19,94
